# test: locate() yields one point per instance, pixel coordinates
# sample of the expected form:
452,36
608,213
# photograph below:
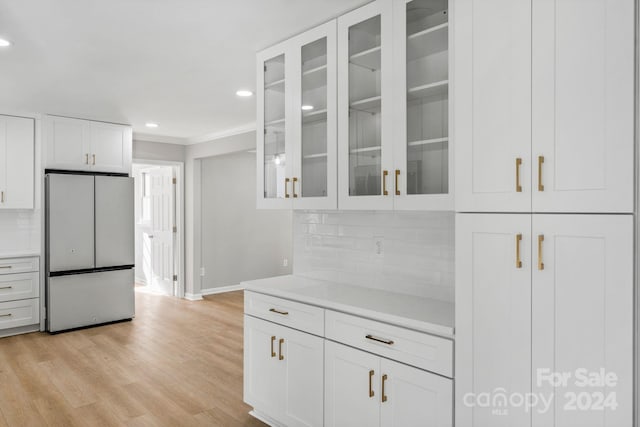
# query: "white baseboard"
222,289
192,297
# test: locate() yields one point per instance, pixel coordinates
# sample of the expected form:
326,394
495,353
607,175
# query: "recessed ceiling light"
4,43
244,93
307,107
151,125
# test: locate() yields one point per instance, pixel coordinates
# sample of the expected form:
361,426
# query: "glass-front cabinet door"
314,181
423,172
365,107
274,145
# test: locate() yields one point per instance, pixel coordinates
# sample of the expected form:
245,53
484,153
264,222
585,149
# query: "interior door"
365,106
352,387
583,105
493,316
413,397
492,75
70,222
158,236
583,290
115,230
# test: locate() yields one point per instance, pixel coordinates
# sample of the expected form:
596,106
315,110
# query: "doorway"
158,227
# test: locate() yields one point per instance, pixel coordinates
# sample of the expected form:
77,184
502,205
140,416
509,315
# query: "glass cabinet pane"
365,101
274,128
314,119
427,97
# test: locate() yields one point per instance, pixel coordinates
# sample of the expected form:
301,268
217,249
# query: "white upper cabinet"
544,103
75,144
296,101
492,105
583,105
17,157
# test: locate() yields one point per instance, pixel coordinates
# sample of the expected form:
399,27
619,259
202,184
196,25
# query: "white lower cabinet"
283,373
362,389
19,295
540,298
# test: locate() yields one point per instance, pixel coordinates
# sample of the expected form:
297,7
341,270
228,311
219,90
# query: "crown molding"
209,137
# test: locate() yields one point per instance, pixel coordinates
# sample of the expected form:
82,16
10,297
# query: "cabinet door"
303,359
352,387
365,106
19,169
315,173
67,143
423,168
274,150
3,162
583,105
411,397
493,316
264,381
111,147
492,74
583,315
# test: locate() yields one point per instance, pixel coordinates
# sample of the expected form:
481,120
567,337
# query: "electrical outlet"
378,246
202,271
285,262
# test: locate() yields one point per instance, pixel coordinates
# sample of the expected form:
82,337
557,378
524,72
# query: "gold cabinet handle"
1,196
540,162
284,313
518,164
5,266
518,260
384,182
5,315
384,396
294,187
540,263
6,287
371,393
86,159
273,353
94,160
286,184
280,355
382,340
397,187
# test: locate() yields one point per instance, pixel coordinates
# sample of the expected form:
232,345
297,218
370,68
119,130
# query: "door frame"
179,218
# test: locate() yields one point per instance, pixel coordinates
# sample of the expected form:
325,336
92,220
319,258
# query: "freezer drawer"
89,299
70,223
115,231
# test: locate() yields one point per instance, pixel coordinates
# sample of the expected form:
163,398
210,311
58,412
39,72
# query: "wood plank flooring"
178,363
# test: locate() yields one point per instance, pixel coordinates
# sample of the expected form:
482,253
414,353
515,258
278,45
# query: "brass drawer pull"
94,160
273,353
5,315
540,162
86,159
540,263
280,355
284,313
384,396
518,164
6,287
5,266
371,393
382,340
384,182
397,188
518,260
1,196
294,186
286,184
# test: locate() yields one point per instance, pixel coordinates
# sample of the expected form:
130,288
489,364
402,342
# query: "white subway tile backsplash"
417,258
19,231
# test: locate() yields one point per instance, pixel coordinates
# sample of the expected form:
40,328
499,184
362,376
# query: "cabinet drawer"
288,313
18,265
19,286
19,313
418,349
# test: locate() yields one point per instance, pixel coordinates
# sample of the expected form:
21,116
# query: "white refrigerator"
89,249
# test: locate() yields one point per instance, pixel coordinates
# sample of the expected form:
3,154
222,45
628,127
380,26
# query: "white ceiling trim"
249,127
159,138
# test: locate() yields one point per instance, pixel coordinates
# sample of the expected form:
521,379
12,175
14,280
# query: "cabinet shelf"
365,150
428,42
369,58
315,116
427,141
276,122
278,85
314,78
315,156
369,105
431,89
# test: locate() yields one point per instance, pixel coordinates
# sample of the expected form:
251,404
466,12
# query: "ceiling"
177,63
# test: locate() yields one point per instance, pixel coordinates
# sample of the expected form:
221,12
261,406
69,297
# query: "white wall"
238,241
417,250
158,151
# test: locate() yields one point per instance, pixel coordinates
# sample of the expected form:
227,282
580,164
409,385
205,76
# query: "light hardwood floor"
178,363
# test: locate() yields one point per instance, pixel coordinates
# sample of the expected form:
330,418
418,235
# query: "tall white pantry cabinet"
544,128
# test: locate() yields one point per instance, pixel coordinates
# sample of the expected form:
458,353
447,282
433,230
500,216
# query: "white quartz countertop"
18,254
421,314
